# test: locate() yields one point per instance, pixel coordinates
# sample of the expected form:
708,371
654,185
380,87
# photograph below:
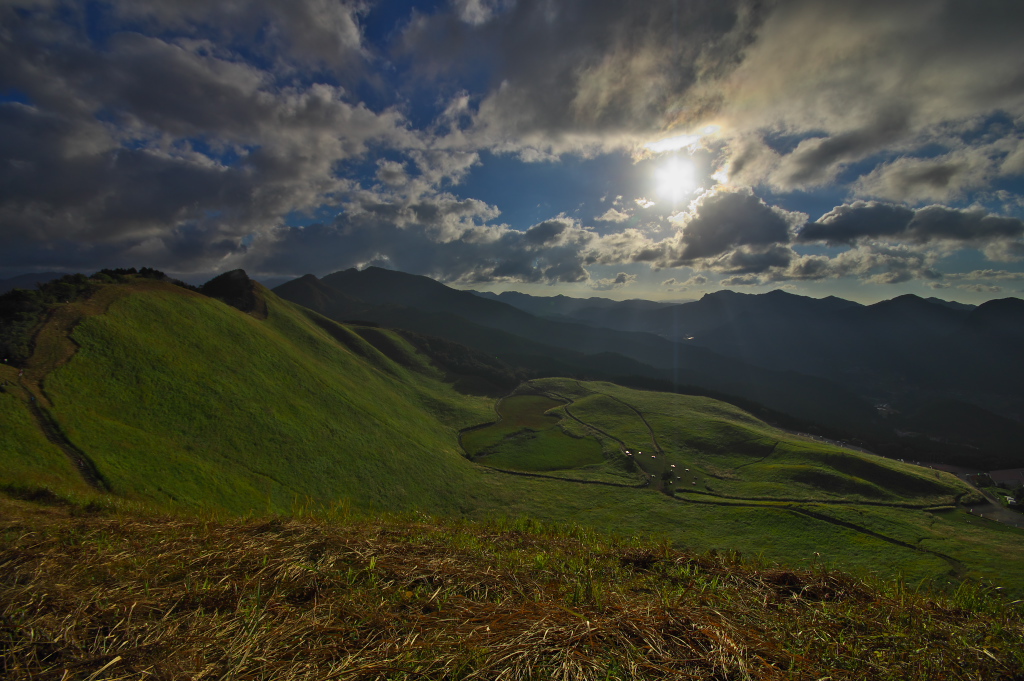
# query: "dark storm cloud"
323,30
850,223
814,160
170,146
862,79
753,261
724,221
864,219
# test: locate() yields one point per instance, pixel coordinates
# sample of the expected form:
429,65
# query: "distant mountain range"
877,372
908,350
914,377
28,281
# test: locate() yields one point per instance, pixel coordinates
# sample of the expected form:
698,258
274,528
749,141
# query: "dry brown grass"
122,596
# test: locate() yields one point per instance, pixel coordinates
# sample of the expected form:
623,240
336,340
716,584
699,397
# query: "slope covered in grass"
179,397
180,400
528,437
727,452
28,459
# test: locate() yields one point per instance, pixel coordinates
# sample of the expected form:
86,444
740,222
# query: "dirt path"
790,500
53,347
661,485
53,432
761,460
654,438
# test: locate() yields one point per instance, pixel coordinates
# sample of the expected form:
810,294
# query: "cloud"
580,75
720,222
853,81
673,284
746,260
476,12
861,220
152,141
463,250
317,30
618,281
842,84
986,275
948,177
200,134
981,288
613,215
817,160
391,173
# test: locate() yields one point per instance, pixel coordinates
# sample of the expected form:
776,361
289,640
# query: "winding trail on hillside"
834,502
53,432
654,438
568,402
956,567
788,504
761,460
52,348
622,445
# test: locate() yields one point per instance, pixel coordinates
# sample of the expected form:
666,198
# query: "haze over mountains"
889,374
27,280
886,352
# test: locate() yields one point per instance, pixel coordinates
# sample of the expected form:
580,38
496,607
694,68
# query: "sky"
660,149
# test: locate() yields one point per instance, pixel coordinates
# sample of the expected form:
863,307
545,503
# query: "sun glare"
675,178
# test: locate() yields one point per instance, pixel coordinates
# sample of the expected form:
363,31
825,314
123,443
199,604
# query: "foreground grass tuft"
115,595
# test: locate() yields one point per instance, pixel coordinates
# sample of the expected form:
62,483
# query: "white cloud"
613,215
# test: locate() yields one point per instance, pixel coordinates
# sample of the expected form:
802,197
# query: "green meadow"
529,437
182,402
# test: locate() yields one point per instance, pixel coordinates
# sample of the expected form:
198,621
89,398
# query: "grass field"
185,403
112,594
529,437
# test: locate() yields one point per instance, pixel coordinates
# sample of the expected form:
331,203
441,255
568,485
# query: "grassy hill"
182,399
154,393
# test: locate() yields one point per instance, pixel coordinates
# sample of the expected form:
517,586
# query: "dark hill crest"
239,291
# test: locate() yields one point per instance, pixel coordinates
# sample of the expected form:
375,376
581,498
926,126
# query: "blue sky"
660,150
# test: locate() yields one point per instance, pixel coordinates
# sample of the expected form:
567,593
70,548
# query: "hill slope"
163,395
422,304
178,397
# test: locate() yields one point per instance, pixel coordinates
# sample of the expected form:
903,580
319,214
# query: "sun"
675,178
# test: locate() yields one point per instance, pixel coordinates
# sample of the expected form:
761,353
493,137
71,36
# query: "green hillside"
179,398
160,395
